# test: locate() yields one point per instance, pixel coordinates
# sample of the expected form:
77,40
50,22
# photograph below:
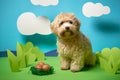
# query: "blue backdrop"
103,31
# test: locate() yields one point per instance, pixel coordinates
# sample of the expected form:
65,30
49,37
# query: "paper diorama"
31,23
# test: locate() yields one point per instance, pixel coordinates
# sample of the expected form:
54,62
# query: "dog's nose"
67,27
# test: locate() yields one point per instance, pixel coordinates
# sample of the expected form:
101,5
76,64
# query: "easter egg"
41,64
38,67
46,67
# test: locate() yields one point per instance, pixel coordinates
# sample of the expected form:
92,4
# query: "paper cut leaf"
115,54
106,52
22,62
20,56
103,60
28,46
13,61
39,54
23,47
19,51
30,58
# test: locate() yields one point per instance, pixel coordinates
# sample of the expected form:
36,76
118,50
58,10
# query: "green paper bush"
26,55
110,59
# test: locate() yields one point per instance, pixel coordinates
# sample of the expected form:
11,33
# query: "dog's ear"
53,28
78,22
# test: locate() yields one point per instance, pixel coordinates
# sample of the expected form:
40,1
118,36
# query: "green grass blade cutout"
28,46
29,57
103,60
13,61
21,56
22,62
106,52
39,54
23,47
19,51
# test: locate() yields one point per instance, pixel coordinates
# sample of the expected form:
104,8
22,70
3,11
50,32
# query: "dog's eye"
61,23
70,22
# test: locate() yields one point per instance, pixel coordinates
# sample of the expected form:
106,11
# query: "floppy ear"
53,27
78,23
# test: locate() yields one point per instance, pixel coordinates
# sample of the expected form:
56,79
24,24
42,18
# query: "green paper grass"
26,55
41,72
109,59
13,61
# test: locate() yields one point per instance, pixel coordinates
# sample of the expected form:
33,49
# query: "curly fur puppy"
74,48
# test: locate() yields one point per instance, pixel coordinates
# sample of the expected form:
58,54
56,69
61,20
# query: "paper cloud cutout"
44,2
29,24
90,9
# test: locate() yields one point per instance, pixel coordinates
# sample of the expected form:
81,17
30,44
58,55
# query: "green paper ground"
94,73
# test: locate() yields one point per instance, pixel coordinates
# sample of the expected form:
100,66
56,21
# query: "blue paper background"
103,31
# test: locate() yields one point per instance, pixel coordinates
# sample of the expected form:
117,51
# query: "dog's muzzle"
66,33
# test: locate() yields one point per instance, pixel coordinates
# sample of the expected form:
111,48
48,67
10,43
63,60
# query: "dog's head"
65,25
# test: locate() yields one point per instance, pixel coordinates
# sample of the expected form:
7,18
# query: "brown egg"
41,64
46,67
38,67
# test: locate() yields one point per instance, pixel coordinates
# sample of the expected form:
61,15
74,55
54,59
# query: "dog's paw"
75,69
64,67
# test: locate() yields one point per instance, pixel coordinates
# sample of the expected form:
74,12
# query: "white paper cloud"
90,9
29,24
44,2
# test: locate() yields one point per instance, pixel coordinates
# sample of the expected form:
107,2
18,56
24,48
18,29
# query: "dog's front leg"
77,63
65,63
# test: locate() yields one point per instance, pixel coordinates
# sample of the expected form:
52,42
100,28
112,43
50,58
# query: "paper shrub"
25,55
110,59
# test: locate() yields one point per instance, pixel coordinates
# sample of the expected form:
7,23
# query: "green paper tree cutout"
26,55
109,59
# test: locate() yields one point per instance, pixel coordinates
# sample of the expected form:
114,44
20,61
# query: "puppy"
73,47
